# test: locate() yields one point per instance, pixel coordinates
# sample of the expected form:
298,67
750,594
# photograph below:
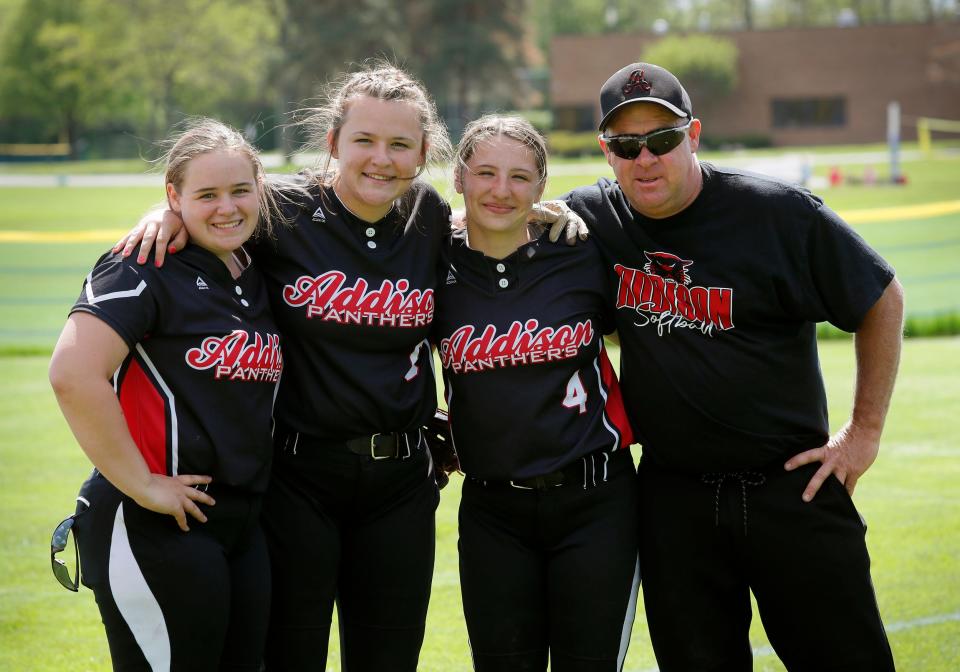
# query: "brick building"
796,86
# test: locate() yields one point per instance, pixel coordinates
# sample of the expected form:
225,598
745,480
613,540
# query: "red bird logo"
668,266
635,82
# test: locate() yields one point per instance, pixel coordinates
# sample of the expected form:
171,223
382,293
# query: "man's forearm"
877,344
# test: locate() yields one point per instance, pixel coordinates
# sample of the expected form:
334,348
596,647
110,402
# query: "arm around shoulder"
160,228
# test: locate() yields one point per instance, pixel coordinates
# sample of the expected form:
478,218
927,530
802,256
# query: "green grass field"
909,497
40,281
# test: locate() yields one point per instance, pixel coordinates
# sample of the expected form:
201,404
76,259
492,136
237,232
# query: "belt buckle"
373,446
541,483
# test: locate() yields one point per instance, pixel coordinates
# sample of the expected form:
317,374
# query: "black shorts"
551,573
170,599
707,540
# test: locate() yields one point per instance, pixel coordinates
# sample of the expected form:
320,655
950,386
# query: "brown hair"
202,135
383,81
494,125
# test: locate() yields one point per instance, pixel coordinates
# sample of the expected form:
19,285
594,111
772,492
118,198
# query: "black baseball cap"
643,83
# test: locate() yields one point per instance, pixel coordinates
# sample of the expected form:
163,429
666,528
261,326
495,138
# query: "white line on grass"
761,651
926,620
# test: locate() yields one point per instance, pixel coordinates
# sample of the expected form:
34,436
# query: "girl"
349,514
548,514
167,381
350,510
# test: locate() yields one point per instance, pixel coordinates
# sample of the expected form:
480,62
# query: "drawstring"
745,477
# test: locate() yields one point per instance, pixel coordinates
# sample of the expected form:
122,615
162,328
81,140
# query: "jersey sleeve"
845,276
117,291
601,282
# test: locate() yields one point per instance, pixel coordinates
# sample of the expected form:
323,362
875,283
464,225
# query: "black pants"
174,600
358,531
706,541
550,572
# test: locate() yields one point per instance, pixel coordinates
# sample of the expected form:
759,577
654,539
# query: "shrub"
727,142
706,65
566,143
915,326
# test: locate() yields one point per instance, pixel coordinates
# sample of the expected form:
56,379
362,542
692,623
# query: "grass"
58,167
68,209
39,282
909,499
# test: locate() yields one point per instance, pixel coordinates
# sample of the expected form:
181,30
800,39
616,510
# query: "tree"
43,74
465,51
70,65
180,57
318,40
706,65
472,65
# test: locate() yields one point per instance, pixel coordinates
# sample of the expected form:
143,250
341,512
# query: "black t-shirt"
354,301
197,387
716,309
528,384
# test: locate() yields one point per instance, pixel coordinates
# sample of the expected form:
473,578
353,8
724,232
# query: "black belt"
379,446
382,446
587,471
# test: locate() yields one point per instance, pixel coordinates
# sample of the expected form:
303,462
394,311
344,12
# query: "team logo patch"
201,283
635,82
667,266
393,304
239,356
523,343
661,294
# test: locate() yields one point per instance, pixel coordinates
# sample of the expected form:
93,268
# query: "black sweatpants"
174,600
347,528
551,572
707,540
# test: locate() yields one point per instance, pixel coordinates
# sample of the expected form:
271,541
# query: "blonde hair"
383,81
202,135
495,125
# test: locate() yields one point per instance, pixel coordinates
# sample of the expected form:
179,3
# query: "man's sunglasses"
658,142
58,543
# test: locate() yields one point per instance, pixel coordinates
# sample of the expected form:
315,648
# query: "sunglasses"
658,142
58,543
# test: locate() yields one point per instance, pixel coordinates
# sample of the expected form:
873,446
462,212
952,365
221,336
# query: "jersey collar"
493,275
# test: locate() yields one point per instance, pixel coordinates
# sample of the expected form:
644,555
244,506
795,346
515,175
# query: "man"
720,277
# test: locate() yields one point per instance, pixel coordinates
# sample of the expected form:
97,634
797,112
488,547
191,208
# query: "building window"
809,112
574,118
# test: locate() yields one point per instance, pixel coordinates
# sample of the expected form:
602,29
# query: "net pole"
923,135
893,139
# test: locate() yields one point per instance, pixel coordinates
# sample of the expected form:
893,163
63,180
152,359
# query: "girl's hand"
176,496
155,229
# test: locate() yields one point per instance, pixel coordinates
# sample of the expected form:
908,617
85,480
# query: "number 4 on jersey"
576,393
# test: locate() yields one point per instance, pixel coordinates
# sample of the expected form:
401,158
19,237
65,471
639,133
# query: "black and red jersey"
717,307
355,302
528,384
197,387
